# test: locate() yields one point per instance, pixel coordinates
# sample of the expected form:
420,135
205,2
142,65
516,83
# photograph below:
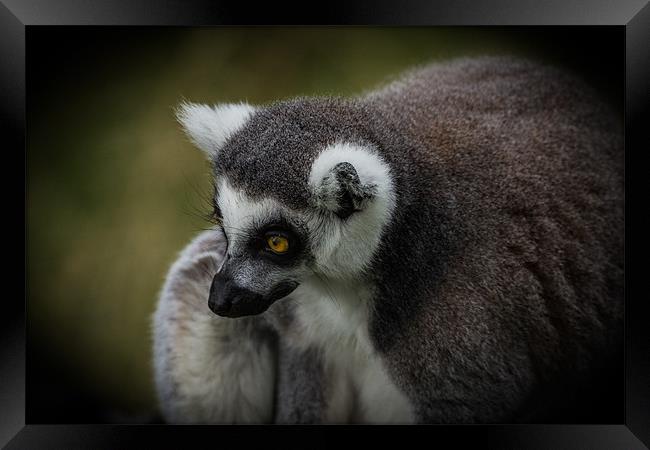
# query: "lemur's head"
300,192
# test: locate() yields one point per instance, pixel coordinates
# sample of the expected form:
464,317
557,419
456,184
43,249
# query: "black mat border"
16,15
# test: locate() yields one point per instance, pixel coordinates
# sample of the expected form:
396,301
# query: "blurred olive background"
115,190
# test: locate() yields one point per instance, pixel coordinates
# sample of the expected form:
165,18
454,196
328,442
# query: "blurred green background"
115,190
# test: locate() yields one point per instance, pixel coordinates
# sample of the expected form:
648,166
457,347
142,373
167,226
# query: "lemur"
444,249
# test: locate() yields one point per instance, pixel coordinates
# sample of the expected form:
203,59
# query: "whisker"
243,231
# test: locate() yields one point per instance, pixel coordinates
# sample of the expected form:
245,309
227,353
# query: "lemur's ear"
342,192
346,177
210,126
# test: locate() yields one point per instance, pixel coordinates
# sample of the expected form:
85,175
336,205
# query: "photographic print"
325,225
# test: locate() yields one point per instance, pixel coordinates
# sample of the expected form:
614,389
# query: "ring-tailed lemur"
443,249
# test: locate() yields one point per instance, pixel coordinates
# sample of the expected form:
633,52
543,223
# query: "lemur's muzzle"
227,299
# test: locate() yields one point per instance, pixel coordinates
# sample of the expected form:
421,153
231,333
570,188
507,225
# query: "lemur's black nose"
218,301
227,299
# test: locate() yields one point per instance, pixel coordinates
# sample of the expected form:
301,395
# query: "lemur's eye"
278,244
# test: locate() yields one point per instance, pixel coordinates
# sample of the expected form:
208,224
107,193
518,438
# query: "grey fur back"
512,207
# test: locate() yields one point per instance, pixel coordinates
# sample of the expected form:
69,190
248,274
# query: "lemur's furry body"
491,266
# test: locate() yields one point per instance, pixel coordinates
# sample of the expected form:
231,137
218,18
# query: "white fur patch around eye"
243,215
210,126
343,248
240,211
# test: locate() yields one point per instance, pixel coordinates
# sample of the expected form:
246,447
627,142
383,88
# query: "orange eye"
278,244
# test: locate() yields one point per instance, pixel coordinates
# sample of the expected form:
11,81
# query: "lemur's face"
268,255
294,198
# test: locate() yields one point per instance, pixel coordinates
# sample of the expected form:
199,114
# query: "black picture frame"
16,16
